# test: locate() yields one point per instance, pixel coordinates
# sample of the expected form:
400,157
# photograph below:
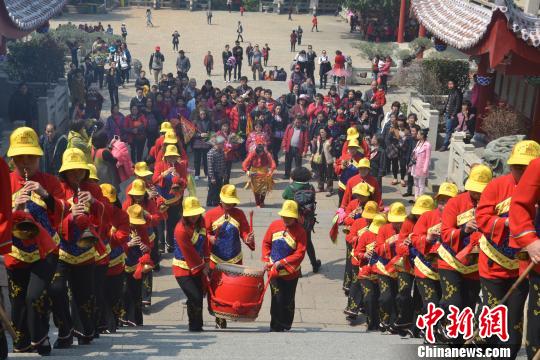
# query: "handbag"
316,158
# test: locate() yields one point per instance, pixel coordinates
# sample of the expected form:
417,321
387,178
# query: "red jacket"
352,206
5,209
304,139
383,247
291,262
491,215
357,229
378,99
119,237
523,210
402,250
357,179
234,118
195,260
365,149
181,170
426,221
137,124
365,241
452,233
313,110
153,217
264,160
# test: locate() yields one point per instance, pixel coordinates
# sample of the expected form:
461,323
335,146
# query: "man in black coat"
238,53
23,107
451,109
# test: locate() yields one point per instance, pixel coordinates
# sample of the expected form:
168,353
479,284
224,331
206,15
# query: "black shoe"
96,334
277,329
407,194
199,329
44,349
221,323
63,343
411,201
316,266
83,340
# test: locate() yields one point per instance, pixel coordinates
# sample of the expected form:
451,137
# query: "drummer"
225,226
283,249
191,256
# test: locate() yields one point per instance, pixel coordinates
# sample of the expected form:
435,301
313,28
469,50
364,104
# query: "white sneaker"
197,178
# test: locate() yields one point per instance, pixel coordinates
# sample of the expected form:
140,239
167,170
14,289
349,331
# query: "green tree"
374,8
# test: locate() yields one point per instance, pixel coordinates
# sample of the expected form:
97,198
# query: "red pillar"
421,31
483,93
401,27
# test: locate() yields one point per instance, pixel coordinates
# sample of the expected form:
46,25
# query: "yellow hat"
165,126
289,209
397,213
353,143
109,192
364,163
478,179
93,172
448,189
141,169
378,221
524,152
136,215
73,159
352,133
138,187
171,150
228,195
192,207
423,204
24,141
370,210
170,137
363,189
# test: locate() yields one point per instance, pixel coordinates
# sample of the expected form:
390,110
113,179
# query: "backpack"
307,204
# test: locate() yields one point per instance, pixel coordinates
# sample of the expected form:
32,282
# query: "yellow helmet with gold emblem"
73,159
141,169
136,215
228,195
24,141
109,192
138,188
353,143
524,152
447,189
171,150
289,209
352,133
362,189
478,179
165,126
364,163
93,172
423,204
170,137
397,212
370,210
192,207
378,221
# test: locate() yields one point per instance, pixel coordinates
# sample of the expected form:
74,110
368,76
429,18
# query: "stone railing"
462,157
428,117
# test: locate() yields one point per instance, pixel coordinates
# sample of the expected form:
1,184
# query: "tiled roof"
462,24
29,15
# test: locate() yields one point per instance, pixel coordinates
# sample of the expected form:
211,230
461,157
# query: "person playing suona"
30,257
498,265
191,260
387,274
425,239
354,134
226,227
408,300
366,212
170,178
458,252
164,128
82,225
347,166
259,167
283,249
362,175
116,241
138,194
525,235
361,194
367,272
138,249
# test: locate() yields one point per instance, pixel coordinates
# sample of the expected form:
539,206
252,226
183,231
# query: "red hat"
158,48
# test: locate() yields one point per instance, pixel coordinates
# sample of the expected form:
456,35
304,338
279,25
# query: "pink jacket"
120,151
422,154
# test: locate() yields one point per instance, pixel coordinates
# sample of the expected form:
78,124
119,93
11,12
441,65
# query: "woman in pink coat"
421,158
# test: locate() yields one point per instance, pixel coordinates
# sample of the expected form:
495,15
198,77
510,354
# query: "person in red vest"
497,263
30,258
525,235
385,249
226,228
458,261
191,259
367,272
283,249
425,240
314,23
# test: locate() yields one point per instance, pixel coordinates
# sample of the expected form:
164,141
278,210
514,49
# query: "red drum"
236,292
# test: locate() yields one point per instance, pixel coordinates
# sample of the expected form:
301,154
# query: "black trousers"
3,340
213,192
192,287
228,169
100,276
276,146
387,299
370,294
227,69
200,155
99,75
283,305
175,46
80,280
326,176
113,94
347,274
147,284
310,249
137,149
294,154
341,192
114,288
323,80
404,300
238,67
132,302
533,315
458,290
30,301
174,213
493,290
356,296
430,292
